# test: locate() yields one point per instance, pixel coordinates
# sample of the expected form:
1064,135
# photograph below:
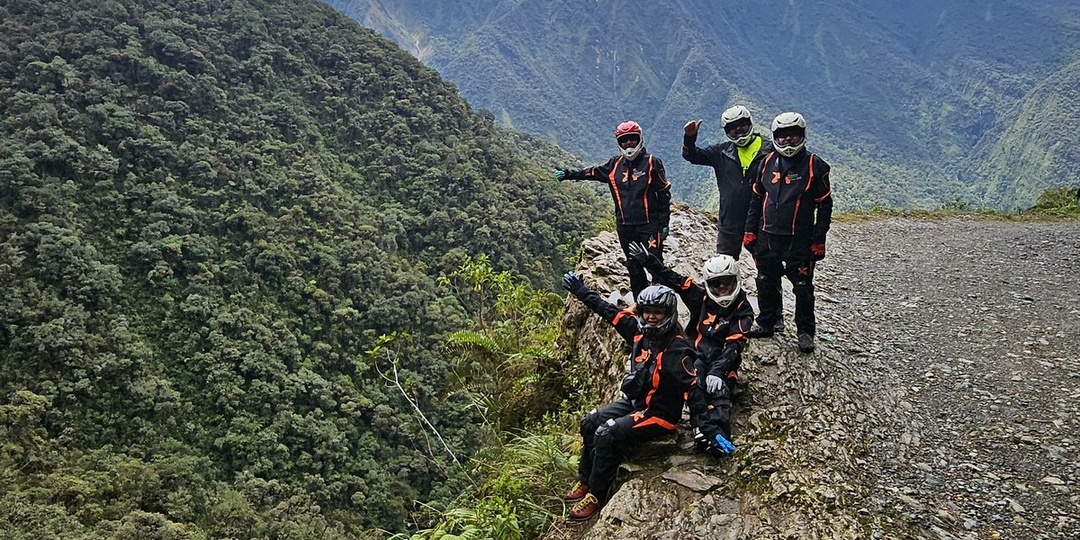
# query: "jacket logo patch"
642,357
776,177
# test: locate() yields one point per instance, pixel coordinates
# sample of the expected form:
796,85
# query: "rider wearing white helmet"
734,162
786,225
720,317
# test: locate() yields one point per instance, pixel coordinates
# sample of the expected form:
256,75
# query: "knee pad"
588,424
603,431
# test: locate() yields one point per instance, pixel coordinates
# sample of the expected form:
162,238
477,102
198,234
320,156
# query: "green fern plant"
497,362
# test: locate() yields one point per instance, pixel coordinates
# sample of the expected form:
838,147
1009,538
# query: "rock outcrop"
802,424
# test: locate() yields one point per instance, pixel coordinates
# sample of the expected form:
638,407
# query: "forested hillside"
223,225
915,104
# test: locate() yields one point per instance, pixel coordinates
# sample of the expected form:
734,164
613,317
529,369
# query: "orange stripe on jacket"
655,379
655,421
821,198
620,315
615,189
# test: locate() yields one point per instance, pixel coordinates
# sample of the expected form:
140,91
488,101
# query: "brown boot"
576,493
585,508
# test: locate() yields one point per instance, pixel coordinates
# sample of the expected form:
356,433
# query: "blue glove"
560,174
638,252
724,445
574,284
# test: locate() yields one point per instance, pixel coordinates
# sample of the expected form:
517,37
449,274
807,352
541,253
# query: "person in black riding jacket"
642,196
661,379
735,163
786,225
720,317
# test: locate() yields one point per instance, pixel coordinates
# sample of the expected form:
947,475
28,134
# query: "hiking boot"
585,508
806,343
576,493
778,327
758,331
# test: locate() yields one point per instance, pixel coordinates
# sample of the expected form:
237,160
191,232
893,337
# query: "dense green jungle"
916,104
267,276
236,239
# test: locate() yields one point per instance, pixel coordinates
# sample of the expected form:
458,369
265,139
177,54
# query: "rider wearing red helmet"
641,193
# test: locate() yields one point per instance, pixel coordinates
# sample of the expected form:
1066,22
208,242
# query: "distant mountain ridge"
916,103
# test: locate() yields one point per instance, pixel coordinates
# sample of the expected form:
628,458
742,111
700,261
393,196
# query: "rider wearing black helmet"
660,380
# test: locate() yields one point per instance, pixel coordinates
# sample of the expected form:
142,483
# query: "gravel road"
980,319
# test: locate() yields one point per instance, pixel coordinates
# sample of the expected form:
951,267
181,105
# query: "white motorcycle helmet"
743,132
721,275
629,128
784,126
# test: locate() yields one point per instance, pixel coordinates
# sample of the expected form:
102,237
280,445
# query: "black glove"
638,252
574,284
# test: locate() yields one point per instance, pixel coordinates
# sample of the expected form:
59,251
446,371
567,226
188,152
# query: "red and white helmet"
629,129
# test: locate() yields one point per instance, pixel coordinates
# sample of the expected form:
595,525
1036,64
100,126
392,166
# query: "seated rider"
660,380
720,316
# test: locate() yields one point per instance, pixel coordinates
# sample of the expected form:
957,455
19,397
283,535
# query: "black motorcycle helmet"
663,298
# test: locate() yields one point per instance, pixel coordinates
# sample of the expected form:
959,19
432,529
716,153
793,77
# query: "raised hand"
573,283
638,252
691,128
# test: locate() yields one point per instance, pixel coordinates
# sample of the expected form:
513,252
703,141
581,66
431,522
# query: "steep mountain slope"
1038,150
898,95
222,227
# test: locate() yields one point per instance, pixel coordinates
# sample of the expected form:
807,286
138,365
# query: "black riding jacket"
732,183
787,193
639,188
664,378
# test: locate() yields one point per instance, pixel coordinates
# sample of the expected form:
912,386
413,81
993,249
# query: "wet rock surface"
943,400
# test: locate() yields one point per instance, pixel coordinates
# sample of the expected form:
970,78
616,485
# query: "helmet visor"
789,136
738,128
721,286
629,141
